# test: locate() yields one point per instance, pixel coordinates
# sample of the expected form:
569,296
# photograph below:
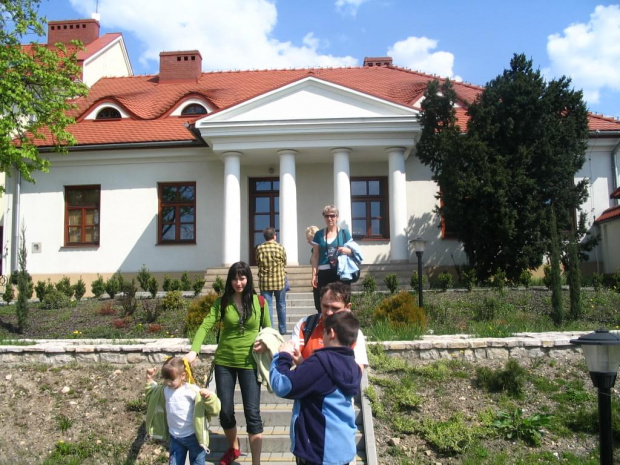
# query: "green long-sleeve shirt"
235,346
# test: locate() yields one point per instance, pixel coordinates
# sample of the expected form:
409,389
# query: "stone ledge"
431,347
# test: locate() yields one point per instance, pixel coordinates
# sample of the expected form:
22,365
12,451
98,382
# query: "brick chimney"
379,62
180,66
85,30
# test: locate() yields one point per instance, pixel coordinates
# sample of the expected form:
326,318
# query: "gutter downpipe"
15,224
614,171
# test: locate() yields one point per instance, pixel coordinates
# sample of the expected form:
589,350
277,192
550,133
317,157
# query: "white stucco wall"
110,62
610,246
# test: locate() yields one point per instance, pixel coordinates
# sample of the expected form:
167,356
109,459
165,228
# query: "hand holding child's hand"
297,358
287,347
205,393
150,372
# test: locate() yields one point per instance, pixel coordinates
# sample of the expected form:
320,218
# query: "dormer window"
194,109
108,113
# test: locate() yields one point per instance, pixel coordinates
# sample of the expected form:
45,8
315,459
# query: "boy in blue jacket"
323,422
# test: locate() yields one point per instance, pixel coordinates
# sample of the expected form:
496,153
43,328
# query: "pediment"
310,99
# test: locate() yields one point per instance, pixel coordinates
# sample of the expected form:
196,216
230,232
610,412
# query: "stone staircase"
276,412
299,276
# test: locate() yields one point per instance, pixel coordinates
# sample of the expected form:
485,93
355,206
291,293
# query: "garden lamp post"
602,352
419,245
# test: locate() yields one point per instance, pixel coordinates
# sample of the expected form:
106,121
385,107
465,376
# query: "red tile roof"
609,214
148,102
615,194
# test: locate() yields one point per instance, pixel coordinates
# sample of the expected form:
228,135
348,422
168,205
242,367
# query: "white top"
361,357
180,410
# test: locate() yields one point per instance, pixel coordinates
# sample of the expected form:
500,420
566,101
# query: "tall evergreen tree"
524,141
557,310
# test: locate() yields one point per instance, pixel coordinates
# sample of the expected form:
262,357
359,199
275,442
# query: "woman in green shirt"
242,319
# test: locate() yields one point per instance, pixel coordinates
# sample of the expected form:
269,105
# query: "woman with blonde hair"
327,244
310,232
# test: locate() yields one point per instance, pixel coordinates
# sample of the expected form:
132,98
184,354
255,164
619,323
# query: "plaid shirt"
271,259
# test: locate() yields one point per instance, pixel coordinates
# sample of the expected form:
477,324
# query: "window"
194,109
108,113
369,208
82,207
177,213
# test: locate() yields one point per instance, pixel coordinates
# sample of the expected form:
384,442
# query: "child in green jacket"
180,411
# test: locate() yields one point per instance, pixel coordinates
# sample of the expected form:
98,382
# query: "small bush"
107,309
391,282
55,299
445,281
143,277
218,285
152,310
487,310
120,323
153,287
525,279
128,300
509,380
198,285
9,292
369,284
469,279
515,426
186,284
364,305
547,276
197,310
64,286
97,287
401,310
498,280
165,285
414,282
172,301
79,289
597,281
175,285
155,327
43,288
112,286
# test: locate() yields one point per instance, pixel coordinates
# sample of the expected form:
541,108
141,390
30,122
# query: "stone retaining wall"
554,345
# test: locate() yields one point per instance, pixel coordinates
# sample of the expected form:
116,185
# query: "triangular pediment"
310,99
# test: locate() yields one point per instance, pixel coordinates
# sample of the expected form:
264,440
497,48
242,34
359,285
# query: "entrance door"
264,210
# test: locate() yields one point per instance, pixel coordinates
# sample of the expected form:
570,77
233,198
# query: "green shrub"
391,282
198,285
498,280
514,425
55,299
597,281
363,306
510,380
401,310
369,284
186,284
9,292
197,310
97,287
219,285
79,289
173,301
128,300
64,286
143,277
444,280
112,286
153,286
43,288
121,281
175,285
525,278
166,284
547,276
469,279
414,281
487,310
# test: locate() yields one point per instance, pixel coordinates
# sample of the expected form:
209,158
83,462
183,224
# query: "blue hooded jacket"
323,423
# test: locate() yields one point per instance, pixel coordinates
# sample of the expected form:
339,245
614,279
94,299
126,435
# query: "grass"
483,313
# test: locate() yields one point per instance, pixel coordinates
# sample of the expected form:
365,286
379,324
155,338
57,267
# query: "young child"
323,422
180,411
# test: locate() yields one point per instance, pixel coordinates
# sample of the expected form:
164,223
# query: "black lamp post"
419,245
602,352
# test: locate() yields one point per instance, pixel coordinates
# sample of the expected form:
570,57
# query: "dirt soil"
93,414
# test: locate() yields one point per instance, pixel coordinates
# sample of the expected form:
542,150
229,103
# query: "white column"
288,206
342,186
231,235
398,204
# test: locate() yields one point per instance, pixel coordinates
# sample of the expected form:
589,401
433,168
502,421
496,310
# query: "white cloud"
349,7
230,34
416,53
589,53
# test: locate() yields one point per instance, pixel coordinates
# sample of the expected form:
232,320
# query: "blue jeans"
225,380
280,307
179,448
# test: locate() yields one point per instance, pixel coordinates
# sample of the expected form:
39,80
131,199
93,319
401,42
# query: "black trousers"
324,277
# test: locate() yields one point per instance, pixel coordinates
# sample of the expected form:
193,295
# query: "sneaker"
230,456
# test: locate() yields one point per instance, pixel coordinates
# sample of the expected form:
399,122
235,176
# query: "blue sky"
469,40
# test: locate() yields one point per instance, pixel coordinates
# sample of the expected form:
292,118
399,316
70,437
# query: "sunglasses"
330,216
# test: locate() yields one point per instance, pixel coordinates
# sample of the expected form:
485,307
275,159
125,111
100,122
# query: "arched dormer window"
108,113
194,109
